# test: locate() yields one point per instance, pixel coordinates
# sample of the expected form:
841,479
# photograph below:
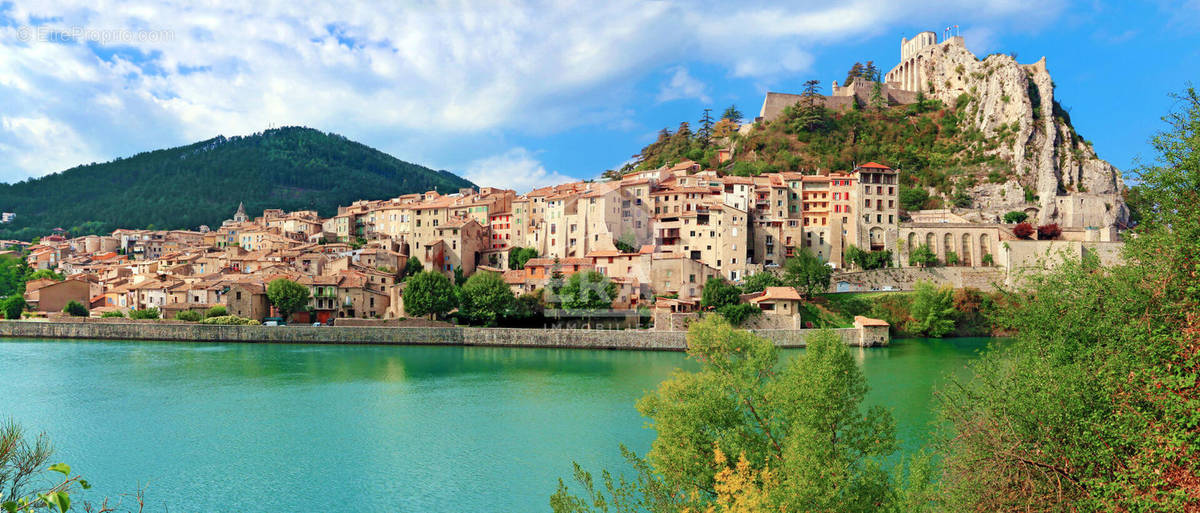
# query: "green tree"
517,257
45,274
856,71
485,298
188,316
429,293
588,290
807,273
216,311
145,314
932,310
732,114
759,282
413,266
1015,216
13,306
288,296
922,256
75,309
718,293
704,135
951,258
13,273
913,198
803,419
811,112
738,313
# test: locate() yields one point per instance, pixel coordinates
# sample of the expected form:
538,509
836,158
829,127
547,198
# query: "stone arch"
876,236
930,242
983,247
947,246
912,239
966,255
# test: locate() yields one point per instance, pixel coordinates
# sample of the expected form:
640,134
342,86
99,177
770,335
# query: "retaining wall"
510,337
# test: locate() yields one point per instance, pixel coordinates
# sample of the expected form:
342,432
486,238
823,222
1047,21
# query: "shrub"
737,314
1016,216
988,260
932,310
216,311
113,314
718,293
922,256
149,313
188,315
1023,230
13,306
230,320
75,309
1049,231
951,258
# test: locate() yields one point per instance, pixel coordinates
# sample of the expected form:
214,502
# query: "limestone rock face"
1015,103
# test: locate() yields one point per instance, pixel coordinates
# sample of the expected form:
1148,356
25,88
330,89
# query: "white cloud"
681,86
516,169
438,69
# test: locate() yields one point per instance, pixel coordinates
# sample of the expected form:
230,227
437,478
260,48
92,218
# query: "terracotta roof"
779,293
514,277
867,321
874,165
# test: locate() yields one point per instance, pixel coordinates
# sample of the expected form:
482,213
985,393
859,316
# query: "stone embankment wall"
509,337
906,278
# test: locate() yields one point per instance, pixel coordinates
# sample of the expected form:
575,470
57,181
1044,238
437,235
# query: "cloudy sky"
522,93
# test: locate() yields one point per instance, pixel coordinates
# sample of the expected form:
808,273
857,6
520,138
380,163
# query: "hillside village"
657,234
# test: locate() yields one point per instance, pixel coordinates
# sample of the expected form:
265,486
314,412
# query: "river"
265,427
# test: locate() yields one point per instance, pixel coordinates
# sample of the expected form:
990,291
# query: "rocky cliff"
1015,102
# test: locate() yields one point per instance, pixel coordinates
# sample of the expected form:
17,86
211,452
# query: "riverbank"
637,340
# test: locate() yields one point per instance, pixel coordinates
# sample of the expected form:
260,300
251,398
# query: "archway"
948,247
966,250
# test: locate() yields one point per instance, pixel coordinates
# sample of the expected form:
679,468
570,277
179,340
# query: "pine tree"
871,72
733,114
856,71
704,135
812,108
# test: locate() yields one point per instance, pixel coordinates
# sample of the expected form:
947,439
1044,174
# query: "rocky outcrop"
1014,104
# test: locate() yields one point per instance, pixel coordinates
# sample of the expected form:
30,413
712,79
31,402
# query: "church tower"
240,215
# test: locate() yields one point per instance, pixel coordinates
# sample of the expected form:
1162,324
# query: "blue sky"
519,94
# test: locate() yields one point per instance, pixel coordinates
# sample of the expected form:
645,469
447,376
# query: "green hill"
290,168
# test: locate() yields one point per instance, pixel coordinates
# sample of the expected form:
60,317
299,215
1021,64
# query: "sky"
520,94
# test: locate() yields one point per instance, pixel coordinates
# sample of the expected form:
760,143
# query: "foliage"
429,293
718,293
113,314
951,257
922,256
518,256
13,275
1093,404
1015,216
737,314
188,316
1023,230
413,266
485,298
759,282
45,274
216,311
288,296
913,198
732,114
292,168
75,309
988,259
868,260
230,320
145,314
13,306
21,460
588,290
1049,231
807,273
932,310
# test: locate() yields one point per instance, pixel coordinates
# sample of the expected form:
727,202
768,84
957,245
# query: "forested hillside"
290,168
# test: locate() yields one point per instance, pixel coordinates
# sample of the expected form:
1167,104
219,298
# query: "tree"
807,273
145,314
759,282
1049,231
459,278
913,198
932,310
951,258
704,135
13,274
1023,230
588,290
718,293
485,298
1015,216
13,306
288,296
922,256
517,257
555,283
812,107
878,102
737,314
871,72
732,114
216,311
75,309
868,260
45,274
413,266
856,71
429,293
188,316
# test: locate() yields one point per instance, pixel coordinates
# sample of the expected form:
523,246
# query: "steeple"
240,215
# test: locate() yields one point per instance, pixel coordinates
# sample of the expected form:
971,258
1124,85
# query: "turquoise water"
265,427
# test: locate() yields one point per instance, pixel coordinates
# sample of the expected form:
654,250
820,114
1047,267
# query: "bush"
922,256
737,314
149,313
718,293
988,259
932,310
951,258
1015,216
759,282
913,199
13,306
1023,230
230,320
113,314
188,315
216,311
1049,231
75,309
